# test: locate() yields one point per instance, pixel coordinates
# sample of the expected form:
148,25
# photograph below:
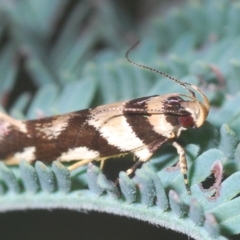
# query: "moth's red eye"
186,121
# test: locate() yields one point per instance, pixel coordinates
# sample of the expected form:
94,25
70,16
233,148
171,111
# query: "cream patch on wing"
113,126
78,153
28,154
4,129
7,123
160,124
54,128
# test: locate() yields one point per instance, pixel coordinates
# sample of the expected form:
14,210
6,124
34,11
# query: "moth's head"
202,114
198,113
198,110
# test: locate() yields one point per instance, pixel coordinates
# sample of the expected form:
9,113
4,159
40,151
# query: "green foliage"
29,177
200,42
9,179
93,173
63,177
45,176
196,212
177,205
128,187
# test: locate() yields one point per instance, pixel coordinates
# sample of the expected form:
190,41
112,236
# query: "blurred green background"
61,55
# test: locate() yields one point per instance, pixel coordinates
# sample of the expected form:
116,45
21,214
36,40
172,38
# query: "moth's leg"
131,170
134,167
137,155
143,155
79,164
102,164
183,164
12,161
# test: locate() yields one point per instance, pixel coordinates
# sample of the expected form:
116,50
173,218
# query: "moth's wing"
104,131
136,126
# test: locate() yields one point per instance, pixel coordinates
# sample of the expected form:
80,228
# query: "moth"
138,127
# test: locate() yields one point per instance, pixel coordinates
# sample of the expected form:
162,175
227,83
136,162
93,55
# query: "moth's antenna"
157,71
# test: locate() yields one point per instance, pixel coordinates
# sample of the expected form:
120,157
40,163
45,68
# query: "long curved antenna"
157,71
183,84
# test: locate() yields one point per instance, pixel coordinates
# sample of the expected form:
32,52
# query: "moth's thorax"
197,110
